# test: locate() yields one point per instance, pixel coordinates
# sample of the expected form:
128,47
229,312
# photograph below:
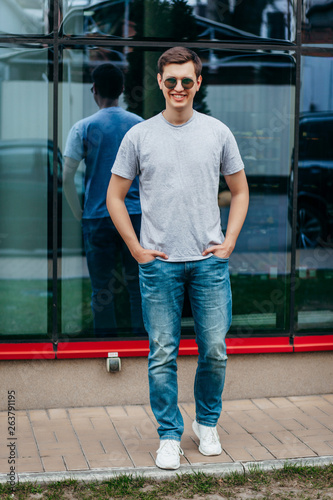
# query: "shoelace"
169,447
211,435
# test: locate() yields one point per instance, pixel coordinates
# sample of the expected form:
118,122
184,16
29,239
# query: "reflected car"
315,181
97,18
26,199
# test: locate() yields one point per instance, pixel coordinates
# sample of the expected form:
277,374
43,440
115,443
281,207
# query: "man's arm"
115,202
239,190
70,168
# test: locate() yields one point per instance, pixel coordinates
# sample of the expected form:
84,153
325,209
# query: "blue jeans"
162,287
103,245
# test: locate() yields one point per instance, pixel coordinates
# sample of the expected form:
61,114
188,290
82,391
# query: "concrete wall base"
85,382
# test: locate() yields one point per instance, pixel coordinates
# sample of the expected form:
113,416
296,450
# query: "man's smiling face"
179,98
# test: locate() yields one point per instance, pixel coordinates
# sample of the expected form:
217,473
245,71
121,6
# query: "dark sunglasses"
170,83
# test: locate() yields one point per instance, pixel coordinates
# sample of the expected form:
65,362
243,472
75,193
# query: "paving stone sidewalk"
113,437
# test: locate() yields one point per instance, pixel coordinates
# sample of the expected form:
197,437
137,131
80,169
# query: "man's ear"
159,80
199,82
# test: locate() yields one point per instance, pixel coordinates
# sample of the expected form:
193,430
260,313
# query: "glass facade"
26,163
182,20
260,77
314,257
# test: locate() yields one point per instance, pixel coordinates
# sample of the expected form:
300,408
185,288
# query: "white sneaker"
168,454
209,439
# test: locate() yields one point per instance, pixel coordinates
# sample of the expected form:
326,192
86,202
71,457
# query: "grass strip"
291,482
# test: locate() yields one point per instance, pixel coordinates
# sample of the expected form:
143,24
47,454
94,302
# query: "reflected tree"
241,14
247,15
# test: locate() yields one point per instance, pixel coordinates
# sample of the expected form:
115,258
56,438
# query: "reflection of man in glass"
179,155
96,140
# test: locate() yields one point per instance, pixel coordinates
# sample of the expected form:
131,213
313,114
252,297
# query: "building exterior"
268,74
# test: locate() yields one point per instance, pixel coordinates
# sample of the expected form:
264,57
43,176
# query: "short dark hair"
108,80
179,55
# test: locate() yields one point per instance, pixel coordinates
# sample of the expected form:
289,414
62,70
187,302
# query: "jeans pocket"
147,264
220,258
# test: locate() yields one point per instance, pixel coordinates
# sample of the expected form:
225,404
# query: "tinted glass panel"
26,17
314,299
183,20
253,93
25,192
117,301
317,22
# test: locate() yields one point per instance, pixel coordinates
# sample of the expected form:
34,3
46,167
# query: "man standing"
178,156
96,140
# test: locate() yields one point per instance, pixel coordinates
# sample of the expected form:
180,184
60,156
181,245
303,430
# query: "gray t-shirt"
179,169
